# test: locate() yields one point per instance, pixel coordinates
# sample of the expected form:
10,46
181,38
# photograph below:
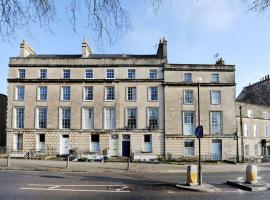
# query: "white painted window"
255,130
131,93
43,73
153,117
18,142
250,114
88,73
265,115
216,123
65,118
245,130
110,73
66,73
147,143
19,90
188,77
247,151
65,93
257,150
41,117
21,73
88,93
215,97
94,147
188,123
188,97
132,118
88,118
215,78
19,117
109,93
109,118
131,73
266,131
152,93
189,147
153,74
42,93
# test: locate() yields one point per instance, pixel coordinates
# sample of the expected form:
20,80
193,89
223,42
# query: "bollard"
8,160
192,175
67,165
251,174
128,164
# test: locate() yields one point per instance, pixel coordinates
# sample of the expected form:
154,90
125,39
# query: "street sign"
199,132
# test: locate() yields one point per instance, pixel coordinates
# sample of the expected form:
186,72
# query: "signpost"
199,135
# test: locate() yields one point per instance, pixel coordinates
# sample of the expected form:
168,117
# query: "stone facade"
3,117
166,85
253,110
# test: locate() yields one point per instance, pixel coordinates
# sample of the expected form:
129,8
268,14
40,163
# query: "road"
51,185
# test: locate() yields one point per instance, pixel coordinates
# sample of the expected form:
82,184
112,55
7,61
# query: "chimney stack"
26,50
162,48
86,51
220,62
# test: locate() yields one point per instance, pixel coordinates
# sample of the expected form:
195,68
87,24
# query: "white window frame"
213,101
110,75
266,131
153,127
112,123
43,72
150,93
39,93
133,89
153,74
255,130
15,118
61,119
215,78
245,127
192,125
19,73
17,88
136,117
62,93
265,115
64,72
91,121
106,93
186,79
250,113
90,72
85,95
212,124
131,72
37,117
16,142
187,100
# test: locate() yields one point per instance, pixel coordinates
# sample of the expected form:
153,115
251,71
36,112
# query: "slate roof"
257,93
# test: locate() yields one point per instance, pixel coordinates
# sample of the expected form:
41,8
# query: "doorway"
126,146
114,145
64,145
217,149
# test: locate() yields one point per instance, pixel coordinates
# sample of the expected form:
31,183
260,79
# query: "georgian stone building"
254,119
3,119
114,104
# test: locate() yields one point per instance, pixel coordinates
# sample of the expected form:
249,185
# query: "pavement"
58,166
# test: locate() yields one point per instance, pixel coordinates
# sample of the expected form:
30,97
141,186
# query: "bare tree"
259,6
106,18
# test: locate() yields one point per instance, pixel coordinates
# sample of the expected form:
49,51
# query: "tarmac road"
60,185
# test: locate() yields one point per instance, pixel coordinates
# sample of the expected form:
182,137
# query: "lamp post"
199,124
241,131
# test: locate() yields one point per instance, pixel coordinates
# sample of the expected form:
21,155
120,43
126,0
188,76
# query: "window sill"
88,100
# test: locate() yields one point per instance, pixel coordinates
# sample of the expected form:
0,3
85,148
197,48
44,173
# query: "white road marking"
50,187
73,190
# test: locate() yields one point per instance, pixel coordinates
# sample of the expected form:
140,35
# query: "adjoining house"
3,117
118,104
253,108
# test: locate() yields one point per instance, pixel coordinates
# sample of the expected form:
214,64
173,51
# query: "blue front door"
125,148
217,150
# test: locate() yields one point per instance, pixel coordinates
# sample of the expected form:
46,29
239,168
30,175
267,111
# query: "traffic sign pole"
199,123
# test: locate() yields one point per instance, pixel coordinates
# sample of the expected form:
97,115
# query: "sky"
195,30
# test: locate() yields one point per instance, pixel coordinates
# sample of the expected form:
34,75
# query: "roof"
257,93
95,56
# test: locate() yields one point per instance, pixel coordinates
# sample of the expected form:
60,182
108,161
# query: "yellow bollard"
192,175
251,174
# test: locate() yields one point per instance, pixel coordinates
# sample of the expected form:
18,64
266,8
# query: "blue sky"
195,32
